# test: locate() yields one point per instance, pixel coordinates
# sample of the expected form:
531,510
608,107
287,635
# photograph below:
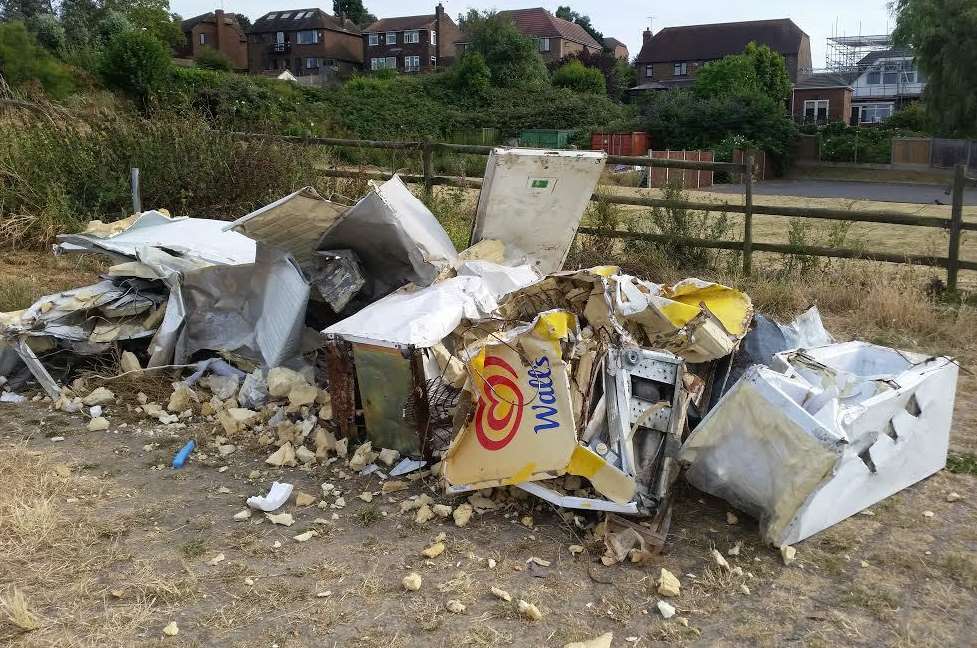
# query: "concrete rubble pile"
323,331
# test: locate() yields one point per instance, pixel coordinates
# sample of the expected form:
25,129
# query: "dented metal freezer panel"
533,200
386,384
846,426
293,224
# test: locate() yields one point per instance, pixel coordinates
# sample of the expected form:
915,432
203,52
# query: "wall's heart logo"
500,405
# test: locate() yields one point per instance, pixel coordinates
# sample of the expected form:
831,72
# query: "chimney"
219,28
438,24
646,36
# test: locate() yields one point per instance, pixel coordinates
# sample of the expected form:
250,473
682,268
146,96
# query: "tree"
943,36
24,10
211,59
151,15
579,78
112,24
470,74
244,22
758,70
566,13
354,10
23,61
49,32
136,63
619,76
511,57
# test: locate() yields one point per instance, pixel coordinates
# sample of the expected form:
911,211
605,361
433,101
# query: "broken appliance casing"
837,429
533,201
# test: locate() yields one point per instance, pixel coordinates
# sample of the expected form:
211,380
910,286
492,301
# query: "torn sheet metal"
338,277
293,224
257,311
386,384
423,317
698,320
841,428
397,239
533,201
199,238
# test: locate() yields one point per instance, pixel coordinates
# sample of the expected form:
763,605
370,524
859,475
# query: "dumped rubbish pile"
326,331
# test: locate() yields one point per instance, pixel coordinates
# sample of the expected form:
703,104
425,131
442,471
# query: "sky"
622,19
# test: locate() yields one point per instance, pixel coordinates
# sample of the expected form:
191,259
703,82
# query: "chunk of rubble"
362,456
415,502
953,497
216,560
526,521
788,554
304,499
603,641
735,549
181,398
731,518
325,442
719,559
412,581
393,486
668,584
501,594
366,496
305,537
455,606
303,394
424,515
281,380
99,396
240,516
305,455
129,363
284,456
441,510
434,550
388,457
575,549
98,424
342,448
529,610
462,514
171,629
284,519
223,387
226,449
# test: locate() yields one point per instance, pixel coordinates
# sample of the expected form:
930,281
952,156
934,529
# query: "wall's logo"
500,404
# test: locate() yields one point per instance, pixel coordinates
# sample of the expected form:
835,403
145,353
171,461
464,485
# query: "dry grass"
15,607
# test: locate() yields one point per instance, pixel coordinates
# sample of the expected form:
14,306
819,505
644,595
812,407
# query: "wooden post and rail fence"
955,225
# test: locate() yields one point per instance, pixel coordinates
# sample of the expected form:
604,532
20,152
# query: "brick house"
305,42
215,30
671,58
555,38
821,98
410,43
616,47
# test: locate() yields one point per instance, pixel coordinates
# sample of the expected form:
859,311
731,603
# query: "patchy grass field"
102,547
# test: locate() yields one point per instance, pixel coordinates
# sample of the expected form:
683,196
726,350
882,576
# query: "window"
311,63
874,77
649,71
383,63
391,38
816,110
272,16
680,69
544,44
279,37
890,74
286,15
203,39
374,39
412,37
308,37
412,63
874,113
434,61
434,37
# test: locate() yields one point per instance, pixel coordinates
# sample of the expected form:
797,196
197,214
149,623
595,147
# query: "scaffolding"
844,54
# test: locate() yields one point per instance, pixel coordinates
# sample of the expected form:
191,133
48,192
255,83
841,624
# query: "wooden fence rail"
955,225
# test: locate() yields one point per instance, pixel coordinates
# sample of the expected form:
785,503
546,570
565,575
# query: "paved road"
882,191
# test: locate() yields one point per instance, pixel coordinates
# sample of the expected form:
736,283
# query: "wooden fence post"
427,161
956,226
134,188
748,215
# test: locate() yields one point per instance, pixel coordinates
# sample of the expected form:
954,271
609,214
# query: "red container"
636,143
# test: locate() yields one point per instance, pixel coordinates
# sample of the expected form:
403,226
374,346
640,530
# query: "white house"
888,80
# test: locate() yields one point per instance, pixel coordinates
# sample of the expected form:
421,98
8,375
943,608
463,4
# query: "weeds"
14,606
962,463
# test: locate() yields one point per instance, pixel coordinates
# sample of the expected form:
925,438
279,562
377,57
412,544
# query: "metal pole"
956,226
134,185
748,217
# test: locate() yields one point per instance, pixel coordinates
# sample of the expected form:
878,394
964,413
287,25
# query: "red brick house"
305,42
218,31
410,43
671,58
555,37
821,98
616,47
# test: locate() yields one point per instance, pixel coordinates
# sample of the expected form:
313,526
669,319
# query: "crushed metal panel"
293,224
532,200
849,425
385,380
397,239
199,238
522,427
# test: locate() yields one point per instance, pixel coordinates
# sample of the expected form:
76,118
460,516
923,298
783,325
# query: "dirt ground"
104,545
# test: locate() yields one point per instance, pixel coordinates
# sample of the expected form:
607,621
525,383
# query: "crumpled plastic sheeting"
843,427
397,239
